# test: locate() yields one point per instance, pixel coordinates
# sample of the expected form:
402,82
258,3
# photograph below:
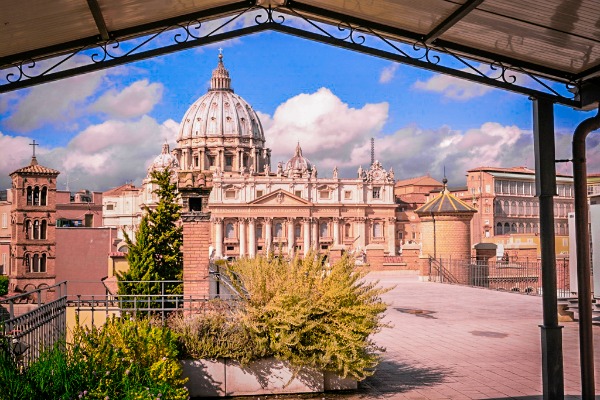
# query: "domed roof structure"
298,165
163,160
220,131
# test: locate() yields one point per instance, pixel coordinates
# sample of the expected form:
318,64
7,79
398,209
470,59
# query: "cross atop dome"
220,76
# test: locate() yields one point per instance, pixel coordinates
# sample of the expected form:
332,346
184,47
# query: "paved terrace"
465,343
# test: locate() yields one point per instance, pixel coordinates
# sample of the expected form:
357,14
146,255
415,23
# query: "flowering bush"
124,360
301,311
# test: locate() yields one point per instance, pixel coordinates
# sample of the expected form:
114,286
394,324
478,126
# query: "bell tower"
33,236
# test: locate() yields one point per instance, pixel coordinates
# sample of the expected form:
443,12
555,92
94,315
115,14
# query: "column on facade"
336,231
268,233
242,228
222,159
315,234
218,229
361,223
252,237
290,235
202,156
306,232
391,236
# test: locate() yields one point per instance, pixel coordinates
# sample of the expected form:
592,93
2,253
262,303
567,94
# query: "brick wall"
452,236
196,241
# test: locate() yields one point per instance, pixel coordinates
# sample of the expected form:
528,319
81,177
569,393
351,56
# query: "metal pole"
582,241
545,179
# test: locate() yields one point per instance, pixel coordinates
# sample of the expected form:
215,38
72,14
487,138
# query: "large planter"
211,378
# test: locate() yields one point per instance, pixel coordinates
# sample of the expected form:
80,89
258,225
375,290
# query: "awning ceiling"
554,39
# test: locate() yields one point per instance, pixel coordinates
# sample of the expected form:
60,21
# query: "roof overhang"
539,48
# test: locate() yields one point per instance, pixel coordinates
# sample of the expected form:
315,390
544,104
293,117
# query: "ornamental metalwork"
340,30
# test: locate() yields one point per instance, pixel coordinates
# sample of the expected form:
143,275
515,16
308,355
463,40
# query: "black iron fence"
34,321
518,277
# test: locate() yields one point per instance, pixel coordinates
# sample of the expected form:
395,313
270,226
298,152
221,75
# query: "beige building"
295,211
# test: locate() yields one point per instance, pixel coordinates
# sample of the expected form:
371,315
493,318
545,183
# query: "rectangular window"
259,193
298,193
4,220
324,194
211,161
89,220
230,248
230,194
376,192
488,188
228,161
347,195
110,207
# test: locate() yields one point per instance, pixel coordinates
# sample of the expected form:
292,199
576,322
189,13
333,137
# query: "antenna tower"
372,151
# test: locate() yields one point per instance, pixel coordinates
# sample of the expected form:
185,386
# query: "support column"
306,232
315,234
242,228
336,231
252,237
218,227
290,235
391,236
582,235
362,232
545,179
202,163
268,233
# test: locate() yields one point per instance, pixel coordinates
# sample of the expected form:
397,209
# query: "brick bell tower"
33,236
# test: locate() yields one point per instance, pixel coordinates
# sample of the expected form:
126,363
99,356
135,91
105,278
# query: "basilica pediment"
280,198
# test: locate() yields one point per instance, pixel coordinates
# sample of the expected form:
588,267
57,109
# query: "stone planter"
212,378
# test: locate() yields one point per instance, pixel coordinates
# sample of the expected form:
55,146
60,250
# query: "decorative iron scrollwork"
342,33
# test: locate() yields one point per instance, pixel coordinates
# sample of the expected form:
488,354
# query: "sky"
104,128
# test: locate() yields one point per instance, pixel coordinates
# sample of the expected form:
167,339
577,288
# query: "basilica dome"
298,165
220,112
220,132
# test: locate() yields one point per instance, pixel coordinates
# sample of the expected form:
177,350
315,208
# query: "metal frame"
167,36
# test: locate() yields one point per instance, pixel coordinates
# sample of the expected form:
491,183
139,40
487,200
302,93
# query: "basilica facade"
223,168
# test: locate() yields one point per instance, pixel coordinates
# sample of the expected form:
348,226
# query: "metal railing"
513,276
34,321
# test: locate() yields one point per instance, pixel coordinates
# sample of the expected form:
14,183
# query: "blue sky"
103,129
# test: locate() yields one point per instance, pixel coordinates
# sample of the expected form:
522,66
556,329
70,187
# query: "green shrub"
214,335
130,359
3,285
311,314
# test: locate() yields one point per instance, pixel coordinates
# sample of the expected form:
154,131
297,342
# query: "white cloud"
135,100
16,153
388,73
330,133
452,88
54,102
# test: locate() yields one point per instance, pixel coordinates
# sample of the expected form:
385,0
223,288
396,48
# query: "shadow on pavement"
394,377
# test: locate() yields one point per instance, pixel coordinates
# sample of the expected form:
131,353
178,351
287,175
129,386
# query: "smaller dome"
298,165
164,160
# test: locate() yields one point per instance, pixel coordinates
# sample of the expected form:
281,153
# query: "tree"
156,253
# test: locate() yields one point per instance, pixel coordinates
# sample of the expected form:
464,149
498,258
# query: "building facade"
508,209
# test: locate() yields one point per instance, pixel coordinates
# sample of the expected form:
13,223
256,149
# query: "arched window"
297,230
377,231
36,196
527,208
506,208
27,262
521,228
229,231
27,228
506,229
43,263
527,228
35,266
43,229
347,230
513,208
323,229
29,196
36,229
513,228
278,230
44,196
536,228
498,228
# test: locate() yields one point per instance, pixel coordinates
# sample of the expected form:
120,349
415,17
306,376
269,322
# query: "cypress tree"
156,253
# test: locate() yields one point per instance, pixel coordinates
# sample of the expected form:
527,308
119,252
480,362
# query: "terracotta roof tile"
35,168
